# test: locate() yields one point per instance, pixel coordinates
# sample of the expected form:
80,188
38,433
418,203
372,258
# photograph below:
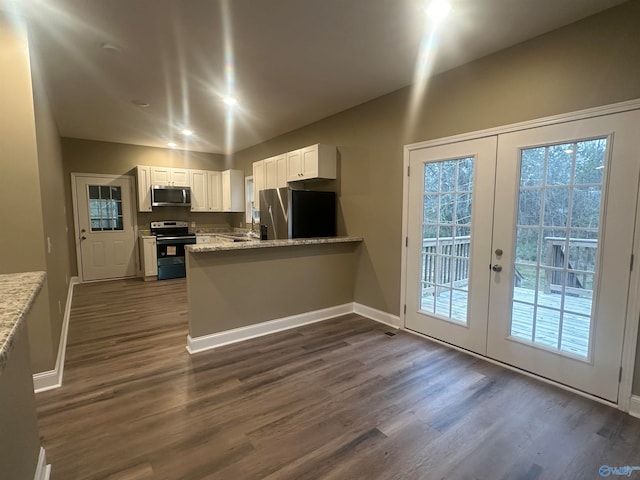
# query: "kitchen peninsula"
246,289
20,454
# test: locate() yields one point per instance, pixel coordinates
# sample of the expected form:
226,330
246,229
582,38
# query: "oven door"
171,257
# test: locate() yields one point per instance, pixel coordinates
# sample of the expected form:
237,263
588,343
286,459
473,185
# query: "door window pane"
560,202
105,208
446,242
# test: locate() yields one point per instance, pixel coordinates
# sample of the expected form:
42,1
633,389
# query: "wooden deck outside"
575,321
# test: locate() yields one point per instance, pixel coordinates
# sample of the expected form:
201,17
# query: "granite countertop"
17,294
290,242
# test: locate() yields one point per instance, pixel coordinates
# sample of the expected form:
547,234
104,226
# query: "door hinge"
620,375
409,171
406,241
405,308
632,258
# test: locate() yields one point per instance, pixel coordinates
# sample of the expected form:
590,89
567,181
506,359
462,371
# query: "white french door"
529,262
451,211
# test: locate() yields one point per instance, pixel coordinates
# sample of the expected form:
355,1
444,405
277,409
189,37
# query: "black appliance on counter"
171,238
288,213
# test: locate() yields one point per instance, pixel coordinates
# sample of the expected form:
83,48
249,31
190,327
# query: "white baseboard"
42,469
51,379
377,315
634,406
207,342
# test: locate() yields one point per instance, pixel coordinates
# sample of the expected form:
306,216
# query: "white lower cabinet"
149,257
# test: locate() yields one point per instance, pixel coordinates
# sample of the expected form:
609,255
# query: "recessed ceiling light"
112,47
172,145
186,132
231,101
438,10
140,103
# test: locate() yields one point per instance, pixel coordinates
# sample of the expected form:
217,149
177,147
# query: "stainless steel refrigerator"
287,213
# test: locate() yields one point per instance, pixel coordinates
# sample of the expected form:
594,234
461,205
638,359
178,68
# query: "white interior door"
564,219
105,236
538,277
449,241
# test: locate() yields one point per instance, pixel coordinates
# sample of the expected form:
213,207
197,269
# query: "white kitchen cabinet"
258,183
149,256
314,161
198,179
166,176
294,165
270,173
281,171
143,179
214,191
232,191
275,171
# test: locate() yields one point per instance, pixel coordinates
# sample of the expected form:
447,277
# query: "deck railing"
580,266
446,261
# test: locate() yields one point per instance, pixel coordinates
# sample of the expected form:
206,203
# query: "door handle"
83,238
496,268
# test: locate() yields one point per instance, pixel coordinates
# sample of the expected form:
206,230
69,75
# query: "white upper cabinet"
233,191
314,161
199,190
281,170
294,166
258,183
165,176
270,173
214,191
143,176
208,191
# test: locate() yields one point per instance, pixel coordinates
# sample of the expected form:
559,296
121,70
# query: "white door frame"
633,304
76,227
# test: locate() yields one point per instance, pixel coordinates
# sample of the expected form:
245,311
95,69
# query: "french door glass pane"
446,239
559,208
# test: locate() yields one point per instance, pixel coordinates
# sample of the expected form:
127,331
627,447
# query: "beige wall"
89,156
19,438
589,63
233,289
53,208
22,233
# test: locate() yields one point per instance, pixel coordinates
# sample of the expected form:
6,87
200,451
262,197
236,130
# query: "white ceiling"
293,61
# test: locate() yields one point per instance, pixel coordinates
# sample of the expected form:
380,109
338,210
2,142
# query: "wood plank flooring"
335,400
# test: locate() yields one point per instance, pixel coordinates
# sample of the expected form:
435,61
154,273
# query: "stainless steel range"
171,238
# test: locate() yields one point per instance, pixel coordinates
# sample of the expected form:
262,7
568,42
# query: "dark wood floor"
335,400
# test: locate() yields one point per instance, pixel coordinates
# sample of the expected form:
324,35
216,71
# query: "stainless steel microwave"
170,196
